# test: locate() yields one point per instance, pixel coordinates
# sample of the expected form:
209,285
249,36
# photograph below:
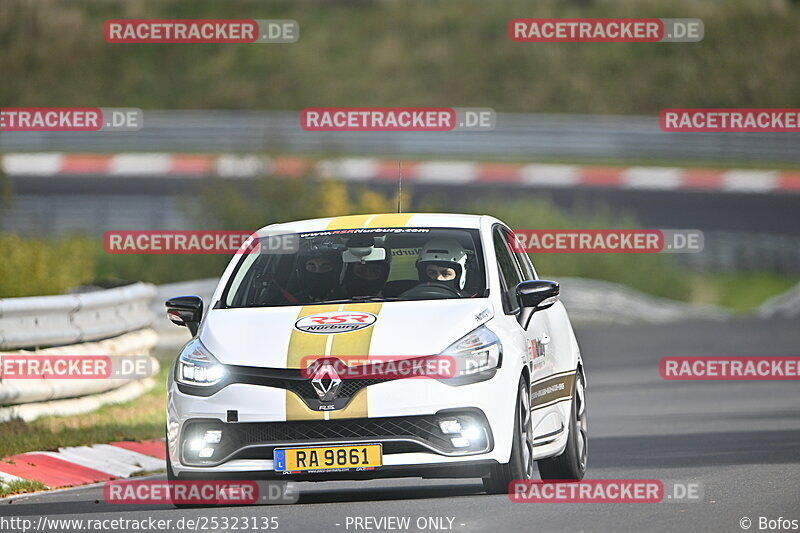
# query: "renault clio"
266,387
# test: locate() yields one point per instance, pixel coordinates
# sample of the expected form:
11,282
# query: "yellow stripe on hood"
302,345
355,343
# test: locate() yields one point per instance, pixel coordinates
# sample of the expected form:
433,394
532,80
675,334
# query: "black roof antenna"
399,186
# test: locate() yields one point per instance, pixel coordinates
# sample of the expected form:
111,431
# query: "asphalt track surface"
739,439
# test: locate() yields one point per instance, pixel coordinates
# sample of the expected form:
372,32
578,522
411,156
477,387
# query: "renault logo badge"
326,382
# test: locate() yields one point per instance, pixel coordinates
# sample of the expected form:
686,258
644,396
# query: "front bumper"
402,416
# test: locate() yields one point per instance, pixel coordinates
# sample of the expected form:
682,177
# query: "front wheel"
520,466
571,464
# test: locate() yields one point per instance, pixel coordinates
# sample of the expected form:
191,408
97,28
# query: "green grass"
743,293
22,486
139,419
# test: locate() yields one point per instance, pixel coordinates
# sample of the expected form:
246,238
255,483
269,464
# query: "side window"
234,293
523,260
510,274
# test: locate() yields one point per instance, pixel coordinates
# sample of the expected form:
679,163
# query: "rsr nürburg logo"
335,322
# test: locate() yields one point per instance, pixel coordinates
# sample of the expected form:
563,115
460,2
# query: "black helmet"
362,277
319,266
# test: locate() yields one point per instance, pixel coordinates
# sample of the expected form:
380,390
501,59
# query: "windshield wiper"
357,299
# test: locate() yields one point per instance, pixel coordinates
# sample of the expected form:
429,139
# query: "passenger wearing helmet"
366,279
443,261
367,267
318,270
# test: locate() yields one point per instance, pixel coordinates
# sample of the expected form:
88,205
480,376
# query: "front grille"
290,379
412,433
422,427
349,387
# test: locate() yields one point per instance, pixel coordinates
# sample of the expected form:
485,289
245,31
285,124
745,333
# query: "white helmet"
444,252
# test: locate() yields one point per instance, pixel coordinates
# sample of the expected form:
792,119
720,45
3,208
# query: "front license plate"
366,456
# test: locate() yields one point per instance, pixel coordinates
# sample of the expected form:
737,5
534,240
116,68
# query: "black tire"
170,473
520,465
571,464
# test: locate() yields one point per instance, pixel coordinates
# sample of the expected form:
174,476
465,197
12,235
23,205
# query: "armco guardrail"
517,135
786,305
74,318
21,391
591,301
114,322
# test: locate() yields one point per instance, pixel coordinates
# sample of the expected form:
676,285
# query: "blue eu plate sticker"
279,458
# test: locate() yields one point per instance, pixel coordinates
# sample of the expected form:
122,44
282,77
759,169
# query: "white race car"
309,363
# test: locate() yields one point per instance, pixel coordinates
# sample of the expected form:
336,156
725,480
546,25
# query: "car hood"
282,337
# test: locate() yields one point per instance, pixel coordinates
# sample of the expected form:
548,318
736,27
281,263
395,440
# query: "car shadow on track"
406,492
86,502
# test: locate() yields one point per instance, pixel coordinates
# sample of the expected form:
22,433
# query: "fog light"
213,436
206,452
197,445
460,442
471,433
450,426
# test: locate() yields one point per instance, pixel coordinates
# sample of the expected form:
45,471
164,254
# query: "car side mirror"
185,311
538,294
535,295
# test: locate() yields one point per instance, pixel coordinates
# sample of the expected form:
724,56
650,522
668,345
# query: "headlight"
196,366
475,352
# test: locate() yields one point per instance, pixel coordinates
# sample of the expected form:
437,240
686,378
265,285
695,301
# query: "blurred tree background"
401,53
453,53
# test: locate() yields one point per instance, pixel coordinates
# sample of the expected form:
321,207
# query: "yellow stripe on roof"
380,220
390,220
350,221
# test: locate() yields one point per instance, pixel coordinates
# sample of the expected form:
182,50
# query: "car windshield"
363,264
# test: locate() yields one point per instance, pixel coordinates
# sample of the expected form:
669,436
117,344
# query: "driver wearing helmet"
318,270
443,262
